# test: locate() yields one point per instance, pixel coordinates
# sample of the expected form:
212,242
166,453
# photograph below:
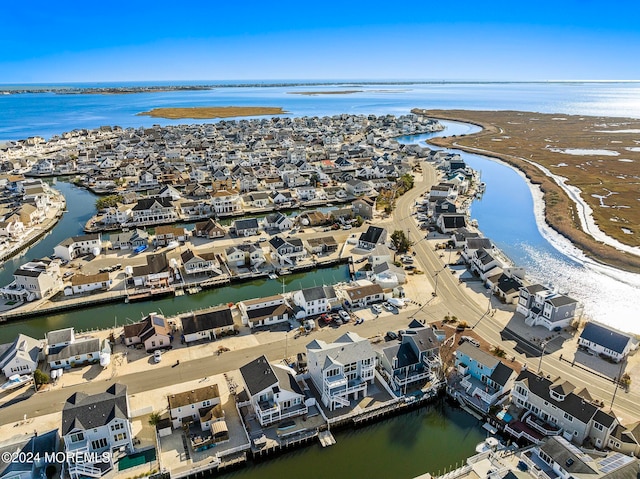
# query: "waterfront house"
226,202
34,280
543,307
58,339
166,234
206,325
342,370
200,263
30,215
78,353
119,214
76,246
485,264
312,218
156,274
480,379
363,296
94,424
13,228
282,198
209,229
245,255
555,457
151,211
448,223
265,311
372,237
153,332
472,244
43,451
322,245
246,227
286,252
506,284
129,239
271,393
199,411
257,199
387,275
555,406
414,361
313,301
21,356
606,341
81,283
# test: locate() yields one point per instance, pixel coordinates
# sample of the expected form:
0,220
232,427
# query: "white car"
344,315
388,307
376,308
157,356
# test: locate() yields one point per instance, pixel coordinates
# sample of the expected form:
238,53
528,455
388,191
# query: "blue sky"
244,40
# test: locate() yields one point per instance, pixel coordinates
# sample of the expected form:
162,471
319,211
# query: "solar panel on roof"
158,321
613,462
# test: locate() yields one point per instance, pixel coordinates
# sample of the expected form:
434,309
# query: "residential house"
206,325
76,246
58,339
129,239
485,264
81,283
156,274
246,227
357,187
543,307
96,424
30,215
414,361
42,451
34,280
199,410
257,199
362,296
372,237
277,221
481,378
119,214
245,255
364,207
21,356
13,228
206,263
555,406
272,393
287,252
226,202
78,353
265,311
606,341
149,211
506,284
209,229
322,245
166,234
154,332
448,223
341,371
282,198
313,301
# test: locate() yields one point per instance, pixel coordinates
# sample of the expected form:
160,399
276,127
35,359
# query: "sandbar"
313,93
209,112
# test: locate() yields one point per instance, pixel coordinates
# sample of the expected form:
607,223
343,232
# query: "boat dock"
326,438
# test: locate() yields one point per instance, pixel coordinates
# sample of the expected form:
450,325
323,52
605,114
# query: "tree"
154,419
108,201
359,220
401,241
406,181
40,378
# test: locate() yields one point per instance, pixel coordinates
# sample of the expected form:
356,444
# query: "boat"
273,276
172,245
15,382
489,444
140,249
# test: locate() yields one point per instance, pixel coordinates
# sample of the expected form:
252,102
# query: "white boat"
173,245
15,382
273,276
489,444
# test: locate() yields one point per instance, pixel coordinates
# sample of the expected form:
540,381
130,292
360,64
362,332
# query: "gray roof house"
21,357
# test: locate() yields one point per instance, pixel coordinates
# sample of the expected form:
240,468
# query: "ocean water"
506,211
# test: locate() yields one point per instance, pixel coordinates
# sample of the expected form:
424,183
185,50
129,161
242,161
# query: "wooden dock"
326,438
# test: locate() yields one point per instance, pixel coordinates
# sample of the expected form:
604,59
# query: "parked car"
344,315
157,356
388,307
346,227
391,336
470,340
376,308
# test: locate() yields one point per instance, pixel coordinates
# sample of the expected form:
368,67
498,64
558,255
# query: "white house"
272,392
203,263
94,425
543,307
81,283
606,341
245,255
78,353
341,371
313,301
21,357
153,332
201,405
362,296
265,311
76,246
34,280
287,252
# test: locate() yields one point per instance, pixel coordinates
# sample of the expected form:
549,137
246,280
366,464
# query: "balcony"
542,426
335,381
537,467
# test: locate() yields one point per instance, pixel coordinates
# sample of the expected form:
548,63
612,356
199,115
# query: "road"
451,299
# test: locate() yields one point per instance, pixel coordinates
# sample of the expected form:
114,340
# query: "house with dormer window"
265,311
287,252
271,392
93,425
341,371
200,406
201,263
542,306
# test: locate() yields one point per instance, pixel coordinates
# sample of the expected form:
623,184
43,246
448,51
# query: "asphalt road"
451,298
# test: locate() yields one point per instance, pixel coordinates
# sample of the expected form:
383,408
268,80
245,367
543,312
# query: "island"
210,112
314,93
596,155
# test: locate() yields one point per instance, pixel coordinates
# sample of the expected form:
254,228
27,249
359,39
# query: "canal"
430,439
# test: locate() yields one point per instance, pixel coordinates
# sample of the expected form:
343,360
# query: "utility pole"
617,380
